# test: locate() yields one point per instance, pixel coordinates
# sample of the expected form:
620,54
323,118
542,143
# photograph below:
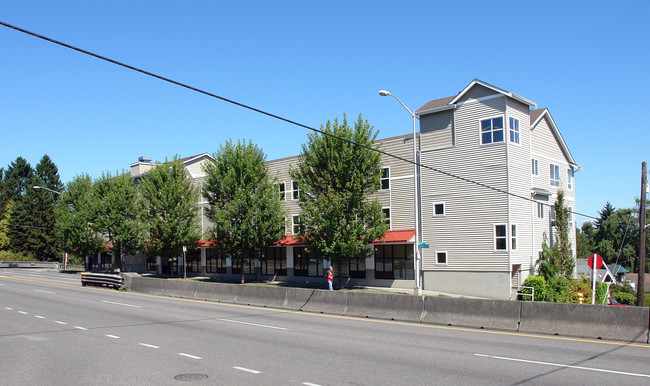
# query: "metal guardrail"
518,289
102,279
28,264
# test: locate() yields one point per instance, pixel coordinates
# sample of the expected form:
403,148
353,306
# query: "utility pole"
640,290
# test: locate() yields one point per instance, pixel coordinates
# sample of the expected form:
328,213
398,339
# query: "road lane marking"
113,336
45,292
23,312
310,384
9,308
39,317
563,365
148,345
188,355
247,370
81,328
59,322
253,324
121,304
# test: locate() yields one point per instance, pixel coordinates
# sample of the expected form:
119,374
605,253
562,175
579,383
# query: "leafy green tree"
169,209
116,214
244,205
5,220
75,218
564,261
336,179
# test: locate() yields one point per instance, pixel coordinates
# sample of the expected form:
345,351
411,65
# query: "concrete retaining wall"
630,324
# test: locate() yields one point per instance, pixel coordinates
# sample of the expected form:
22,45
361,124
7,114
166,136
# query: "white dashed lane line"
113,336
59,322
188,355
121,304
39,317
246,370
9,308
310,384
81,328
253,324
148,345
45,292
23,312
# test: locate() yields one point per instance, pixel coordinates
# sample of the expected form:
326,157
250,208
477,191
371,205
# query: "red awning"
397,237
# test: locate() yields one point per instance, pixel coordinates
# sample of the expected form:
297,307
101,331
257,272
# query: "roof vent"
145,159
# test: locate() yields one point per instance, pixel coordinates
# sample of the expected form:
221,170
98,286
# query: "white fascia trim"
556,131
436,110
199,156
401,177
494,88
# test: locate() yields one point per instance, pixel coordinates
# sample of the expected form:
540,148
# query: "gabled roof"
493,88
450,102
537,116
187,160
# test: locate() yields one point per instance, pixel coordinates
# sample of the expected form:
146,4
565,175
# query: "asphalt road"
56,332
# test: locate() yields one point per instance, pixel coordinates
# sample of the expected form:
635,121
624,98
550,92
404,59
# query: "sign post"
595,262
184,263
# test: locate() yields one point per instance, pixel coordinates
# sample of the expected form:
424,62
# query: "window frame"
513,237
295,224
569,179
383,179
385,266
273,261
496,238
514,132
554,171
492,130
388,217
540,210
535,167
295,191
444,209
446,262
282,188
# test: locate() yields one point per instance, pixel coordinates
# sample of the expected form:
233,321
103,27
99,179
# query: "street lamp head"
384,93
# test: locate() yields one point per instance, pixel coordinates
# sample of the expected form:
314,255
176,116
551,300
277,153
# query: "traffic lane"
55,276
363,329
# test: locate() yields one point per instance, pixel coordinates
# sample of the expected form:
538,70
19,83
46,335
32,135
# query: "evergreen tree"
336,179
116,214
244,205
564,260
169,209
75,218
19,181
43,240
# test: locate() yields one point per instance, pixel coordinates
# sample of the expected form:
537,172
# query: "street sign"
422,244
599,261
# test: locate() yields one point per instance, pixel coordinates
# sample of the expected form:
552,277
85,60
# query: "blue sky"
310,61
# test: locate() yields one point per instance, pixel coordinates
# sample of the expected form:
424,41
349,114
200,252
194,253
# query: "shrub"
625,298
16,256
559,289
579,287
539,284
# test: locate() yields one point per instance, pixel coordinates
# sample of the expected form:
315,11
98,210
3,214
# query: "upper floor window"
441,258
555,175
500,237
385,179
514,130
438,209
540,210
492,130
295,224
569,178
295,191
513,237
535,167
386,212
570,209
281,188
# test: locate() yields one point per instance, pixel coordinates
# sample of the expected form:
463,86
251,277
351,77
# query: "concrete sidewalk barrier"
628,324
261,296
216,292
147,285
296,298
385,306
475,313
327,302
179,288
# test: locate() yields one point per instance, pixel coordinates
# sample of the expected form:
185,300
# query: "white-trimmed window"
386,212
540,210
570,209
535,167
295,224
438,209
514,130
569,178
385,179
555,175
441,258
513,237
492,130
295,191
500,237
282,189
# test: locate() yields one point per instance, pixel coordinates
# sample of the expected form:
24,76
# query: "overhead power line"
414,162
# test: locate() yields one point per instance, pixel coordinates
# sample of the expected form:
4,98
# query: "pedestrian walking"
330,278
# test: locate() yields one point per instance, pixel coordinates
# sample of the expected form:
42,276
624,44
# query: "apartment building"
491,165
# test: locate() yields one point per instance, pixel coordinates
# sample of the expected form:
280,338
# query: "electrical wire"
414,162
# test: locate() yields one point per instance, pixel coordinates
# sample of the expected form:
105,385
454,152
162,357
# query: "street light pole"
416,247
58,193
